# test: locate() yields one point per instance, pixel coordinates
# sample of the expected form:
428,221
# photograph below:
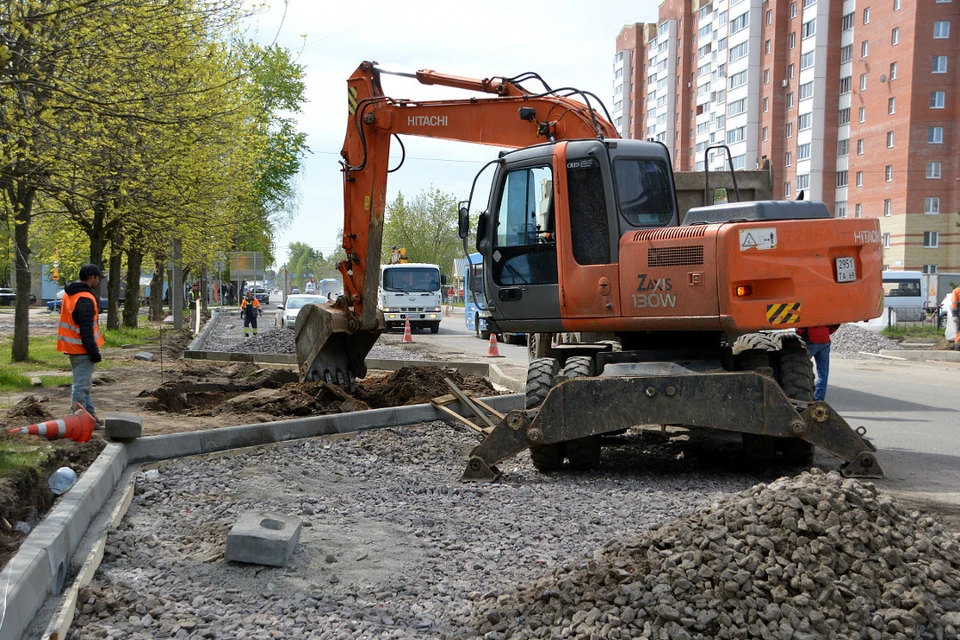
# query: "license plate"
846,270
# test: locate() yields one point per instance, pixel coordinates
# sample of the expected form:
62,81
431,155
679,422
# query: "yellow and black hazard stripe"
787,313
352,100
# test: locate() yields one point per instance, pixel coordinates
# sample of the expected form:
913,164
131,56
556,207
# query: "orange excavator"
634,316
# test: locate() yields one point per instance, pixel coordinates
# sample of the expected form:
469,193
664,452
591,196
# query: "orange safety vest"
254,302
68,333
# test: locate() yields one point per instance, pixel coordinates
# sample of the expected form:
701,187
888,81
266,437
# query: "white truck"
411,292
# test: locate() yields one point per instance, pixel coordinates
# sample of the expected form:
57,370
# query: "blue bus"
474,313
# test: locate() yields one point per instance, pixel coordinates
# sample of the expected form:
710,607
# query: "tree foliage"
426,226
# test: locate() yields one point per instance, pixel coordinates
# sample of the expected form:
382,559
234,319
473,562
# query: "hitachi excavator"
635,317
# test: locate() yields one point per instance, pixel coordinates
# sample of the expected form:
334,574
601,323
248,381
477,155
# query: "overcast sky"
569,43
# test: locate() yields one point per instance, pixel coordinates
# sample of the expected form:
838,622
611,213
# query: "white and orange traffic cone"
407,335
492,351
77,427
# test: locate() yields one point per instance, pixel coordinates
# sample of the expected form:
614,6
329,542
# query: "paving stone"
123,426
262,537
144,355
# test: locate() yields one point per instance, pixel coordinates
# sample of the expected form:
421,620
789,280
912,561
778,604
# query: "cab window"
643,191
525,240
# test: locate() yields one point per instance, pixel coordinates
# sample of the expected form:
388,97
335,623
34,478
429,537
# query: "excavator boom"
333,339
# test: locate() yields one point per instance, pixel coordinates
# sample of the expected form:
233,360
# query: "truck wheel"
435,327
476,326
797,381
583,453
540,373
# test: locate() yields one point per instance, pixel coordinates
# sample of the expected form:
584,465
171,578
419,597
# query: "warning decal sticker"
788,313
760,239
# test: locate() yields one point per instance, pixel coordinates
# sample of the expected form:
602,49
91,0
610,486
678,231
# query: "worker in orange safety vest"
78,334
249,311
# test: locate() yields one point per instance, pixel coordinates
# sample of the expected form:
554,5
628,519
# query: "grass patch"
10,379
127,335
56,381
897,332
17,453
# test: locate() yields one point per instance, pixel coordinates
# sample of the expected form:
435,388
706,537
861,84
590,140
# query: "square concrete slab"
262,537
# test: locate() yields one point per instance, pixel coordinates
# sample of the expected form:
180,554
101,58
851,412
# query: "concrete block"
123,426
144,355
262,537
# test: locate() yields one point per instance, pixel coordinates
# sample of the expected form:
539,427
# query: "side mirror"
482,228
464,223
280,306
443,279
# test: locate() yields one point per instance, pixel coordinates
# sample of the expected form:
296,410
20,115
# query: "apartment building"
854,103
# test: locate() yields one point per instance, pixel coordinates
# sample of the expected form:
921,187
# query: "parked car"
287,313
54,305
260,293
943,312
9,297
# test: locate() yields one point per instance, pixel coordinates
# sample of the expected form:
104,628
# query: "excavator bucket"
330,345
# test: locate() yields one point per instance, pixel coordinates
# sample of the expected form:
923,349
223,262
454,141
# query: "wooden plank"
467,403
456,416
487,407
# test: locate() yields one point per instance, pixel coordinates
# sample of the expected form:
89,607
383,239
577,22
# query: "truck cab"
411,292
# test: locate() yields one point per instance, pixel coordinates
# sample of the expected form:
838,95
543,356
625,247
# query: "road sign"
246,265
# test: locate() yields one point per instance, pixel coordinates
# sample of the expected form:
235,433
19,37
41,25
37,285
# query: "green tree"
426,226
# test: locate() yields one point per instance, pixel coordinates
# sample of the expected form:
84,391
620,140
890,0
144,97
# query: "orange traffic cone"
492,351
407,335
77,427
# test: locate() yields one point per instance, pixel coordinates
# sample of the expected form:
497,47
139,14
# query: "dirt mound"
294,399
204,389
418,385
30,410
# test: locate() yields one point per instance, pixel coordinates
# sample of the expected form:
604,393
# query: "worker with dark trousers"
817,340
249,311
79,336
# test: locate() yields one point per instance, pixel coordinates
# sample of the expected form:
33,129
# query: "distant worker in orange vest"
249,310
955,312
79,336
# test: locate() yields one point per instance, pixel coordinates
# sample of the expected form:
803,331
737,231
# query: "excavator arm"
333,339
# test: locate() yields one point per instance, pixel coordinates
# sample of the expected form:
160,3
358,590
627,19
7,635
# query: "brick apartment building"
854,102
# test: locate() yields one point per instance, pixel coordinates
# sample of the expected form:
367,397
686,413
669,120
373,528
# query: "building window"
843,147
845,116
788,159
786,189
866,16
808,29
803,181
933,171
766,105
895,36
722,44
941,30
859,178
846,54
886,239
805,121
766,76
739,23
803,152
896,5
841,178
840,209
844,85
769,18
863,82
736,135
931,239
765,130
806,60
739,51
858,211
793,9
790,70
862,114
893,70
889,139
860,147
888,207
793,40
846,23
864,48
938,99
789,101
888,173
931,206
738,79
736,107
892,105
806,90
766,47
930,268
934,135
789,129
809,3
939,64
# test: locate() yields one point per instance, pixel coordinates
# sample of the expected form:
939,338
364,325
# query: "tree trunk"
22,198
98,241
156,289
113,286
131,307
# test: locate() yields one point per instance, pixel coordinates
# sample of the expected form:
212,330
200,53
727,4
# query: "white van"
903,292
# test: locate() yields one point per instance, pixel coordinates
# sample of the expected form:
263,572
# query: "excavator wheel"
796,378
583,453
757,449
540,374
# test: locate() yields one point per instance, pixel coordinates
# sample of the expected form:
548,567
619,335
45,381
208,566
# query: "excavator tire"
797,381
756,342
583,453
540,374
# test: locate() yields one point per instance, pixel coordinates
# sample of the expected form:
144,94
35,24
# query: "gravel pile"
393,545
850,342
227,336
809,557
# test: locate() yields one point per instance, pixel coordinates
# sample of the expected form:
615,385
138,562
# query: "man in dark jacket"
817,340
79,333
